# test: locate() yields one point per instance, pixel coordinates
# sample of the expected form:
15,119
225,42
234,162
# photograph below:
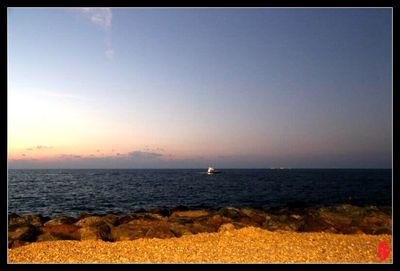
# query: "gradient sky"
179,88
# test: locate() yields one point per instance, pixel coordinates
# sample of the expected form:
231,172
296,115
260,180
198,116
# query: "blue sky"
193,87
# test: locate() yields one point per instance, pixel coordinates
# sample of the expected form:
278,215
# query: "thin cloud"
144,155
101,17
70,156
42,147
39,147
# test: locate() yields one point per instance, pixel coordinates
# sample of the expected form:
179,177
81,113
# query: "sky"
199,87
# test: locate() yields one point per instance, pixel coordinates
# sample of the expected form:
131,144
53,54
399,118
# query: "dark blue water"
49,192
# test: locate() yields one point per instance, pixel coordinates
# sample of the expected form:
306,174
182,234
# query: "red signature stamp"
383,250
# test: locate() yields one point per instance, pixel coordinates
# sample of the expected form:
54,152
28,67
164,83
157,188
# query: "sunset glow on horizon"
189,88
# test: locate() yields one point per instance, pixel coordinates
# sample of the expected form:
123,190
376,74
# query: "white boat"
212,170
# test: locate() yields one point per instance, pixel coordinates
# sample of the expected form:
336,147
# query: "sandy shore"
247,245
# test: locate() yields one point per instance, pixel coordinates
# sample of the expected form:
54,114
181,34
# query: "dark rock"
12,216
257,217
230,212
215,221
335,219
278,211
69,231
88,221
45,219
385,209
162,212
142,216
379,223
160,232
60,220
126,232
17,243
111,220
239,225
180,220
179,230
125,219
96,231
53,236
198,228
23,233
247,221
150,216
343,218
180,208
348,219
282,222
347,210
140,228
34,220
190,214
312,222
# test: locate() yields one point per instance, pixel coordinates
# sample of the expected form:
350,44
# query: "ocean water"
72,191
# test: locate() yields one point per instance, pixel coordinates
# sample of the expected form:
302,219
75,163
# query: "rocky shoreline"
180,221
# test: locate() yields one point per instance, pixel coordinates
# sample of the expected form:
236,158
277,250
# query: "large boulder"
231,212
98,231
69,232
343,218
282,222
53,236
126,232
215,221
179,230
88,221
140,228
257,217
245,216
23,233
348,219
377,224
160,211
140,216
60,220
181,220
313,223
376,221
12,216
111,220
198,228
34,220
190,214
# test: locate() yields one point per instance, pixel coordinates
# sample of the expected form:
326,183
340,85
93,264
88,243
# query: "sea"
50,192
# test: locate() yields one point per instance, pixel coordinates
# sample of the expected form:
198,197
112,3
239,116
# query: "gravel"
246,245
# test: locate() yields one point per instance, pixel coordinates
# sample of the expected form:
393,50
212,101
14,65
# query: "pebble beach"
245,245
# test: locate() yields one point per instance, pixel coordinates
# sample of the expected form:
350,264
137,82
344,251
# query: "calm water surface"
49,192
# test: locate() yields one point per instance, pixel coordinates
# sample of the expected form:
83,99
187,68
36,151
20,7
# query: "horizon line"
266,168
